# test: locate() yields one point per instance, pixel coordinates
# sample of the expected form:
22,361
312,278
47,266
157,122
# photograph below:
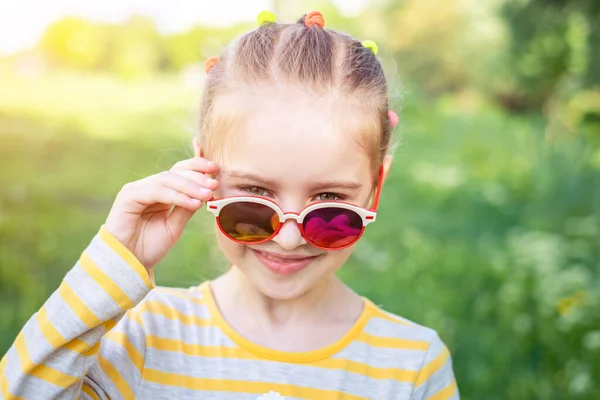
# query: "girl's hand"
141,216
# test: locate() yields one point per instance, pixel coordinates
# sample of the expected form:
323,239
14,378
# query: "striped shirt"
109,333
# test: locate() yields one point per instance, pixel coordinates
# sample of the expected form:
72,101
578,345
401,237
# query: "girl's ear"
197,148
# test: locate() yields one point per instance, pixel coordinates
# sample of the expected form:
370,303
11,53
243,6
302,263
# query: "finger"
198,164
184,185
198,177
150,193
179,218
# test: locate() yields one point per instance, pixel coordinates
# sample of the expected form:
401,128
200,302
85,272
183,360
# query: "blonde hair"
299,58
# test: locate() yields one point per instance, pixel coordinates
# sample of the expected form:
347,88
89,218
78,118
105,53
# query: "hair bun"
314,18
210,63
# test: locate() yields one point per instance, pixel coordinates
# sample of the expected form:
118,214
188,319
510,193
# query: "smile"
283,264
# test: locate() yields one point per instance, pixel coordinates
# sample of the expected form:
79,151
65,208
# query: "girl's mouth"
283,264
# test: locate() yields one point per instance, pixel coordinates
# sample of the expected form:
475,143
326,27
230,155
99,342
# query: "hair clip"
393,118
210,63
369,44
314,18
265,17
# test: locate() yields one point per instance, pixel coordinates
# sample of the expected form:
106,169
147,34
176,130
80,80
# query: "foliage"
491,236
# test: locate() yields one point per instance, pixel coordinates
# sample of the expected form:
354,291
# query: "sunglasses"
328,225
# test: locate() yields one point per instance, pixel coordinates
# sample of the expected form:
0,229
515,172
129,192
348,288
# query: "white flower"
271,396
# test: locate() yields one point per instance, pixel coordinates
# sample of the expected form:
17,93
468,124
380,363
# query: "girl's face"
292,153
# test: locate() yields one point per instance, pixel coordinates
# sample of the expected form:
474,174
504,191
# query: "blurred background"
491,217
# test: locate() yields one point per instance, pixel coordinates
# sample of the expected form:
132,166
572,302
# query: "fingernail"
213,181
205,191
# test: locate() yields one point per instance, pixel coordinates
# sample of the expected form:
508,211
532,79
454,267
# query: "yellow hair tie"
370,45
210,63
264,17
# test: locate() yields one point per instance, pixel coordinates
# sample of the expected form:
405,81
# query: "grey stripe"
119,358
114,267
384,328
95,298
118,270
192,334
185,306
96,374
266,371
379,357
134,332
33,387
63,318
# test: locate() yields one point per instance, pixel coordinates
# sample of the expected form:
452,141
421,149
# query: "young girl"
295,118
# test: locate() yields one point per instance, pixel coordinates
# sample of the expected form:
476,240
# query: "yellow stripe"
379,313
433,366
3,363
126,255
156,307
111,323
394,343
41,371
92,350
135,356
78,306
109,286
234,352
78,346
3,382
115,376
235,386
90,392
52,335
446,392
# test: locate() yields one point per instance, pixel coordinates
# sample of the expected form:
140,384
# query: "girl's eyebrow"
336,185
249,176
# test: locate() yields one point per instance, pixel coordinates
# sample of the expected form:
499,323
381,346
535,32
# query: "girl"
296,119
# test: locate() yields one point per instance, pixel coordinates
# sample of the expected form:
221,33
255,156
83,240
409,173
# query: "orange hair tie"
210,63
393,118
314,18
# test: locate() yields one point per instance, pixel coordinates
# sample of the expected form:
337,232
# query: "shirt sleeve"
436,378
60,352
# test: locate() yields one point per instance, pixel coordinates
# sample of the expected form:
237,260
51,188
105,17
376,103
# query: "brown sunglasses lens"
248,222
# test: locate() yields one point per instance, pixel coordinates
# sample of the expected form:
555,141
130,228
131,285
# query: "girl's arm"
436,378
60,352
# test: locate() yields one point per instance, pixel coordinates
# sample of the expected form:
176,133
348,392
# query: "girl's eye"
328,197
255,191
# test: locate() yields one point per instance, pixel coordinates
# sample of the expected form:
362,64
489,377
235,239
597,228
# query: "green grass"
487,232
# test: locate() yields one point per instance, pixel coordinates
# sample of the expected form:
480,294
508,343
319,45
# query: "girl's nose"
289,236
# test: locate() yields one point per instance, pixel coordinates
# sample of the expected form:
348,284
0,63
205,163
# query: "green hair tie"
370,45
264,17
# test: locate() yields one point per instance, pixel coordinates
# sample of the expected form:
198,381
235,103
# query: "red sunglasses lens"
332,227
248,222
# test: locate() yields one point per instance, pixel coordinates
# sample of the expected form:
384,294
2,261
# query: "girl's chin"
278,290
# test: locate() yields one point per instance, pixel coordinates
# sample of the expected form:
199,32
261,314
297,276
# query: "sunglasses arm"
378,190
